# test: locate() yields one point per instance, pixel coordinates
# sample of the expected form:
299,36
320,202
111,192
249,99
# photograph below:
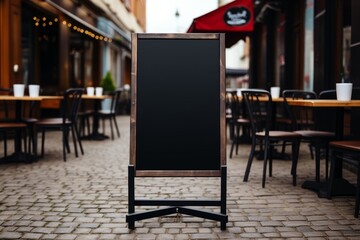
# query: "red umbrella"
235,19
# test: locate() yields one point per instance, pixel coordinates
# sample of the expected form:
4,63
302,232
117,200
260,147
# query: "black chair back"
233,106
258,103
115,100
301,117
71,104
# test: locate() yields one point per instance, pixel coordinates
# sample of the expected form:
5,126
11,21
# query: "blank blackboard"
178,118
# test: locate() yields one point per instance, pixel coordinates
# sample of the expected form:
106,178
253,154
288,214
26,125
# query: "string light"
48,22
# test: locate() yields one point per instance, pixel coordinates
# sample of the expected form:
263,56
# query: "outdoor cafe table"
19,155
341,186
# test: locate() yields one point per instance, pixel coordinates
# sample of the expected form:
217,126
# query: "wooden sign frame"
183,49
133,141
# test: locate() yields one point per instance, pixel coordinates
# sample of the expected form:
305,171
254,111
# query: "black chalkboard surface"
178,118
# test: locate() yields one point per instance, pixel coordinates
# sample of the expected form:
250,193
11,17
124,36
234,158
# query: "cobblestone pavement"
86,198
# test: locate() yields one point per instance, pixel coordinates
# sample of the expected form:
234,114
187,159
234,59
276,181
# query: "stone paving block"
49,236
45,230
10,235
32,236
66,237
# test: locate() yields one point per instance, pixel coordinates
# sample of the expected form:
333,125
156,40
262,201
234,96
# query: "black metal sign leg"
131,194
223,195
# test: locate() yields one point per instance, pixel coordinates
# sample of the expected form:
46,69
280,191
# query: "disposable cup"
90,91
19,90
99,91
275,92
34,90
343,91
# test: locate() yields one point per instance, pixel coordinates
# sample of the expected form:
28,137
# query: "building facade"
306,44
60,44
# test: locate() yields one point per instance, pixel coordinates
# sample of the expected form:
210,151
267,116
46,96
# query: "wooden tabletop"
324,103
40,98
84,96
24,98
279,99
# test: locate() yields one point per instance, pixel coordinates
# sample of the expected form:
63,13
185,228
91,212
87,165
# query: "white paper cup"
19,90
34,90
90,91
275,92
99,91
343,91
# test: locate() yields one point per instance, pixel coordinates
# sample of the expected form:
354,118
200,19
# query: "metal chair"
110,114
343,150
259,106
69,111
235,119
303,124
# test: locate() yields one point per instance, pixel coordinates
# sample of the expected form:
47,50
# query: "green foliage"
107,83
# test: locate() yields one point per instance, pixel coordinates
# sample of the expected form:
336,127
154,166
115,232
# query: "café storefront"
60,44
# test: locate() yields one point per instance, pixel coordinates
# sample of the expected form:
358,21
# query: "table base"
341,187
95,136
19,157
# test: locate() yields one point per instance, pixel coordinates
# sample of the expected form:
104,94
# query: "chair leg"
357,199
295,156
26,147
116,126
65,142
42,142
231,130
35,138
234,142
79,139
251,157
270,157
232,147
317,161
88,125
311,150
73,134
103,125
66,139
283,148
327,161
266,149
81,125
111,128
5,144
237,138
332,173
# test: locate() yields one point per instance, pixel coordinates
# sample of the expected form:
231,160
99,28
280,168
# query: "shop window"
309,46
39,47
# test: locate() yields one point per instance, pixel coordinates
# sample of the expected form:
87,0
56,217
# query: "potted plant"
108,85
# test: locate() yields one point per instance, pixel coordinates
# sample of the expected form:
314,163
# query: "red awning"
235,19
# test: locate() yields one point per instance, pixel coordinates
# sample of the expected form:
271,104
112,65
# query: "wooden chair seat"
315,134
274,135
348,145
52,121
352,150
